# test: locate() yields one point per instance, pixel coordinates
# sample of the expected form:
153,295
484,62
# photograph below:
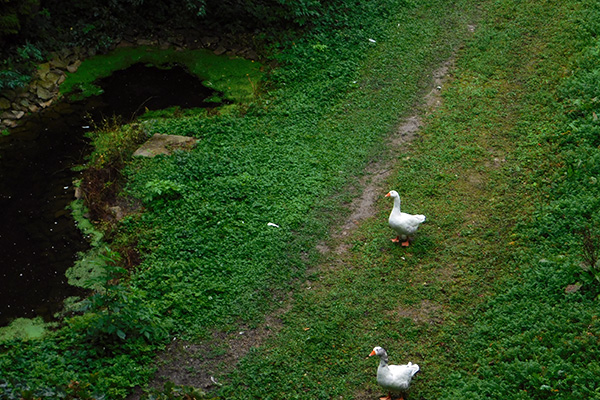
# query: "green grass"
478,301
235,77
481,171
278,162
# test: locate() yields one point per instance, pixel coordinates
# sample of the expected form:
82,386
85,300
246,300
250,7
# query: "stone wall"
43,89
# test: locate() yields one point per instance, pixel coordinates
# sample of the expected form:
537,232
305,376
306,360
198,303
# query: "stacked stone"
39,94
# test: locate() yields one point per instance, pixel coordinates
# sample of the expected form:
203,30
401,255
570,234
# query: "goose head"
378,351
393,194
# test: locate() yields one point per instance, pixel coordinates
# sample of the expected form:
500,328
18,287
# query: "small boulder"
44,94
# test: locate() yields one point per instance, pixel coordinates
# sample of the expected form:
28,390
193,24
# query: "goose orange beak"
387,195
372,353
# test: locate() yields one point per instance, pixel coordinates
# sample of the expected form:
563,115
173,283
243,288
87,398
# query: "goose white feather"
404,224
393,378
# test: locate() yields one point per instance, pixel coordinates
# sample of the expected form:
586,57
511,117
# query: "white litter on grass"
372,41
272,224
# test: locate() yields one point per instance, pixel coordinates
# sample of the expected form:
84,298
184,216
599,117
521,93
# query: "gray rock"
59,63
45,104
209,41
146,42
43,69
9,123
53,76
74,66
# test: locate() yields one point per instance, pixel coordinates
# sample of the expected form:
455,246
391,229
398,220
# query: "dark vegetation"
505,275
31,29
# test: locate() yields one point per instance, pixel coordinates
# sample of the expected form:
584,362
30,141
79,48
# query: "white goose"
404,224
393,378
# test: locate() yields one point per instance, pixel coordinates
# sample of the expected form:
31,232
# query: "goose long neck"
397,203
383,360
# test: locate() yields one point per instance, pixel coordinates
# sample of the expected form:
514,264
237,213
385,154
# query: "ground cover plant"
539,338
210,257
235,77
496,297
505,182
249,170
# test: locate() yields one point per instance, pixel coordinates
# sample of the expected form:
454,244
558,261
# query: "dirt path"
378,172
197,364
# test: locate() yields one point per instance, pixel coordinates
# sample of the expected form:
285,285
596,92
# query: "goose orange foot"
406,243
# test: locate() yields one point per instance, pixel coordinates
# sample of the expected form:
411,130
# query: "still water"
38,239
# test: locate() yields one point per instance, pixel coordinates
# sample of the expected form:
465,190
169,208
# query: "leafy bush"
15,72
100,353
13,80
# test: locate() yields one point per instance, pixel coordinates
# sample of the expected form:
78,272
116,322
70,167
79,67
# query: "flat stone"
9,123
209,41
45,104
573,288
74,66
164,144
43,69
12,114
44,93
146,42
220,50
53,76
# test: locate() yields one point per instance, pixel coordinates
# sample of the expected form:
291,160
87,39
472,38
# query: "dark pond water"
38,239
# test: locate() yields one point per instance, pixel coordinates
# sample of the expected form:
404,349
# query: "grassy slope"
278,162
476,171
209,257
479,171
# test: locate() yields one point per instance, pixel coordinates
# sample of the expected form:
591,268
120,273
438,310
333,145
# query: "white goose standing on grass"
393,378
404,224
